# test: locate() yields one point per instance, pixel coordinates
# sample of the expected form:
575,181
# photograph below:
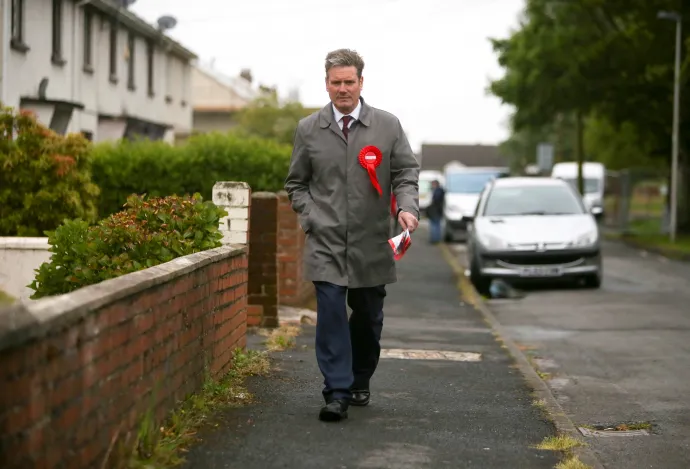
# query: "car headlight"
491,242
587,239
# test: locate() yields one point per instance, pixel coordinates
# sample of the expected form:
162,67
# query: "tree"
607,65
550,64
619,146
266,117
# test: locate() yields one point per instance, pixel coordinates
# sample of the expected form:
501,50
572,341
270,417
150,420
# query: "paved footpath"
429,411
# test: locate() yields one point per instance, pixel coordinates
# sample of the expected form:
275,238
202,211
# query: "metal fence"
635,201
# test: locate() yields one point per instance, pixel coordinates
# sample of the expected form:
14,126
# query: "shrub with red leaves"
44,177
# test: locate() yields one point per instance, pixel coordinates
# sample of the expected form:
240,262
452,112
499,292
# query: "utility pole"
673,222
579,151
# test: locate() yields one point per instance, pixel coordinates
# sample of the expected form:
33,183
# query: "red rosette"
370,158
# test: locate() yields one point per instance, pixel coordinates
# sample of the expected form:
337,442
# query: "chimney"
246,74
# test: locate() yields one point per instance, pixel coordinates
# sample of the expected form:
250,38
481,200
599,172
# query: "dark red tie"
346,123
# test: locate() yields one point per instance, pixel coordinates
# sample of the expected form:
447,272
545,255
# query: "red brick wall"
292,288
263,266
87,372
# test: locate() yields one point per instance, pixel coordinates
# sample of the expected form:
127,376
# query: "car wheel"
481,282
447,237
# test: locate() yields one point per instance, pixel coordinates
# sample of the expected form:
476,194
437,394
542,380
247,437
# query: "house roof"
137,24
436,156
239,85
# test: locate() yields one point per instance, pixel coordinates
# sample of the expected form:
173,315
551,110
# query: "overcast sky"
428,62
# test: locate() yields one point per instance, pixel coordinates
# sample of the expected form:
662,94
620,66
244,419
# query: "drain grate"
406,354
617,430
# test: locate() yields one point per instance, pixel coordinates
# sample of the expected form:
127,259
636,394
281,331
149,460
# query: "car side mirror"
468,218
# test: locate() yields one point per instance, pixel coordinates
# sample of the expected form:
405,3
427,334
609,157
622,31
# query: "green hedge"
159,169
146,233
44,177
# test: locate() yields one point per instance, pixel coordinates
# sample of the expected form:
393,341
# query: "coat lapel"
365,113
327,119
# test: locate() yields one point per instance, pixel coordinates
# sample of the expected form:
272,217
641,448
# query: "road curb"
562,422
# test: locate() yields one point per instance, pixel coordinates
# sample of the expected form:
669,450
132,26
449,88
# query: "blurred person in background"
435,212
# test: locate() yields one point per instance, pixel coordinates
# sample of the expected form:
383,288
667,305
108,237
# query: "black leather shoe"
360,397
334,411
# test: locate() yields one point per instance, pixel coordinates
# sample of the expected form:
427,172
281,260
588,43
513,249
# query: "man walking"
435,212
346,160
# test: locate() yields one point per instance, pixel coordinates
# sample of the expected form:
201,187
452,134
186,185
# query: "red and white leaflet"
400,244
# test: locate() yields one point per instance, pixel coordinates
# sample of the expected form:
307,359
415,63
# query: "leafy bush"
146,233
44,177
159,169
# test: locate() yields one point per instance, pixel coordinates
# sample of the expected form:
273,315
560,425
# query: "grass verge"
158,447
646,234
658,243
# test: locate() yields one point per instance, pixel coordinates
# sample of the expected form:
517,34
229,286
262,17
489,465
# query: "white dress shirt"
354,114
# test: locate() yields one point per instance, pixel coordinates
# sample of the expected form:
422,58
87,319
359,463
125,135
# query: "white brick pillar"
235,198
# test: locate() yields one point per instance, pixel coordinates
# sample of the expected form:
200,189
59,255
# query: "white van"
594,175
426,177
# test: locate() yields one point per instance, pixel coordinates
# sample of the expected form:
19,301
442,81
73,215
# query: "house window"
113,51
131,42
17,26
88,41
149,66
57,33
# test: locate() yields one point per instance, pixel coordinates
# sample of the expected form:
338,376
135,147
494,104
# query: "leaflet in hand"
400,244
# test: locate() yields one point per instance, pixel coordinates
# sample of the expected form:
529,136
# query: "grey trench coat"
347,223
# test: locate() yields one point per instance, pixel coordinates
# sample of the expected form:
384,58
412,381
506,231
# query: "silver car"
532,228
463,186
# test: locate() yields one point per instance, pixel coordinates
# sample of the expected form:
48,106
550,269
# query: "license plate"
541,271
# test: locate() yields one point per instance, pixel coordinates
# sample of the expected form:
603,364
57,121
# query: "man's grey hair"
344,58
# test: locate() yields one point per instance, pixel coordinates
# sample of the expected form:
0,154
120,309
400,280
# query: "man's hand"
408,221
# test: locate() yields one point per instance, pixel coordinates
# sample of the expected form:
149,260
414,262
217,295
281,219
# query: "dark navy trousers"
348,351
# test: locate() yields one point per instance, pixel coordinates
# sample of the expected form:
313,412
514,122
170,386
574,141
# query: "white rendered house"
93,66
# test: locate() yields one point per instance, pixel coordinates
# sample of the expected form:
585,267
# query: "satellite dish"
166,22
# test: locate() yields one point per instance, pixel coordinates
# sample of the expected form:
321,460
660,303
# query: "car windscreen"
591,184
532,200
468,183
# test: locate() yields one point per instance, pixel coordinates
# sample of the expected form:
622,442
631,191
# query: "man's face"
344,88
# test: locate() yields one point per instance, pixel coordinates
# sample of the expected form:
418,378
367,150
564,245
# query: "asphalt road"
619,354
424,413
